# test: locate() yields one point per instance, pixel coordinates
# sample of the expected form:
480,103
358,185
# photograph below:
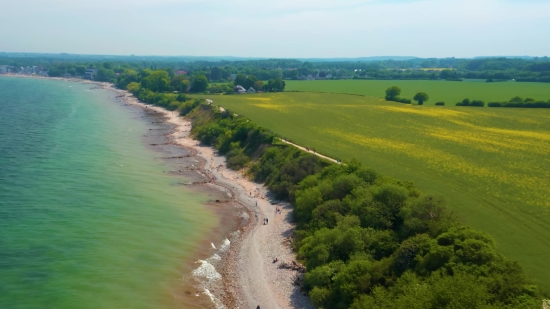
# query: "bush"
398,99
467,102
440,103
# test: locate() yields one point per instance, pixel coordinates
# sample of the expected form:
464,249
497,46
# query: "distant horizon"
264,58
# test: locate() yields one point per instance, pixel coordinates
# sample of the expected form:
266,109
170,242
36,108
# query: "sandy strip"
251,277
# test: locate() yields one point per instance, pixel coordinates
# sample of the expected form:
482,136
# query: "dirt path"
310,151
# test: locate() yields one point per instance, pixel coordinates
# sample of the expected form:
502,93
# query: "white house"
251,90
239,89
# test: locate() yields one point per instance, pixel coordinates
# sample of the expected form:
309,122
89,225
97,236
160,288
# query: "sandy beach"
250,275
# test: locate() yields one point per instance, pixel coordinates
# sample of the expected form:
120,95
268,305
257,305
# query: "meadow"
446,91
491,165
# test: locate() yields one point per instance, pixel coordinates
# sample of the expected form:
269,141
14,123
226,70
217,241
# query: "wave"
207,276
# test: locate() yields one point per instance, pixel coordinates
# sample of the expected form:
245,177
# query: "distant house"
90,73
43,73
239,89
233,76
310,77
251,90
180,72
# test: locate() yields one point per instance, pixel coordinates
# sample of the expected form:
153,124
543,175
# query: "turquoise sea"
88,217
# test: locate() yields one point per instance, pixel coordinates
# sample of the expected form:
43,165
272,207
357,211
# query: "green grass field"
491,165
446,91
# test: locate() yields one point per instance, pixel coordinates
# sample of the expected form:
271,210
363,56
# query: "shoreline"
249,277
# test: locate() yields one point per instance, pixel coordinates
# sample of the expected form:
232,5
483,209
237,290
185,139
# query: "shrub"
440,103
467,102
478,103
398,99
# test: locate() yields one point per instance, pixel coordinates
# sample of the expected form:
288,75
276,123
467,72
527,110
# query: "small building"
239,89
251,90
90,73
180,72
233,76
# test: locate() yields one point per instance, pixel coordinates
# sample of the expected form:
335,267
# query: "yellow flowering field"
491,164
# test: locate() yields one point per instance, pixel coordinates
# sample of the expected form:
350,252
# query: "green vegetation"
421,97
369,241
392,94
490,164
468,102
219,70
439,91
519,102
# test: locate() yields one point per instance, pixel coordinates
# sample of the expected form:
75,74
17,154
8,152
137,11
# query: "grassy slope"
490,164
448,92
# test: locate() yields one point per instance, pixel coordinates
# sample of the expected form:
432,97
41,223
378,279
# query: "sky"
278,29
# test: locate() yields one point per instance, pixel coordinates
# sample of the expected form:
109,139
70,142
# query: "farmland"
491,165
446,91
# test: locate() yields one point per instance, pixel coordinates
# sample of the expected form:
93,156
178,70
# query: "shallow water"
88,216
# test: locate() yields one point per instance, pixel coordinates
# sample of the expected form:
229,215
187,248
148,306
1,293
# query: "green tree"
516,100
215,73
240,80
250,81
275,85
258,85
80,69
179,83
133,87
393,92
421,97
157,81
200,84
105,75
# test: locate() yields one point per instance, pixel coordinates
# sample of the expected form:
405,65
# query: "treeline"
392,94
523,103
468,102
369,241
168,100
490,69
514,102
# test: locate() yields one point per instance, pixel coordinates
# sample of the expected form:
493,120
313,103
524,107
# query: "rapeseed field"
491,164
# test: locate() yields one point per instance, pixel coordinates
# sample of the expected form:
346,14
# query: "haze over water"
88,219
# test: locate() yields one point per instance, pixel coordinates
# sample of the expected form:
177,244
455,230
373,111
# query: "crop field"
490,164
446,91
